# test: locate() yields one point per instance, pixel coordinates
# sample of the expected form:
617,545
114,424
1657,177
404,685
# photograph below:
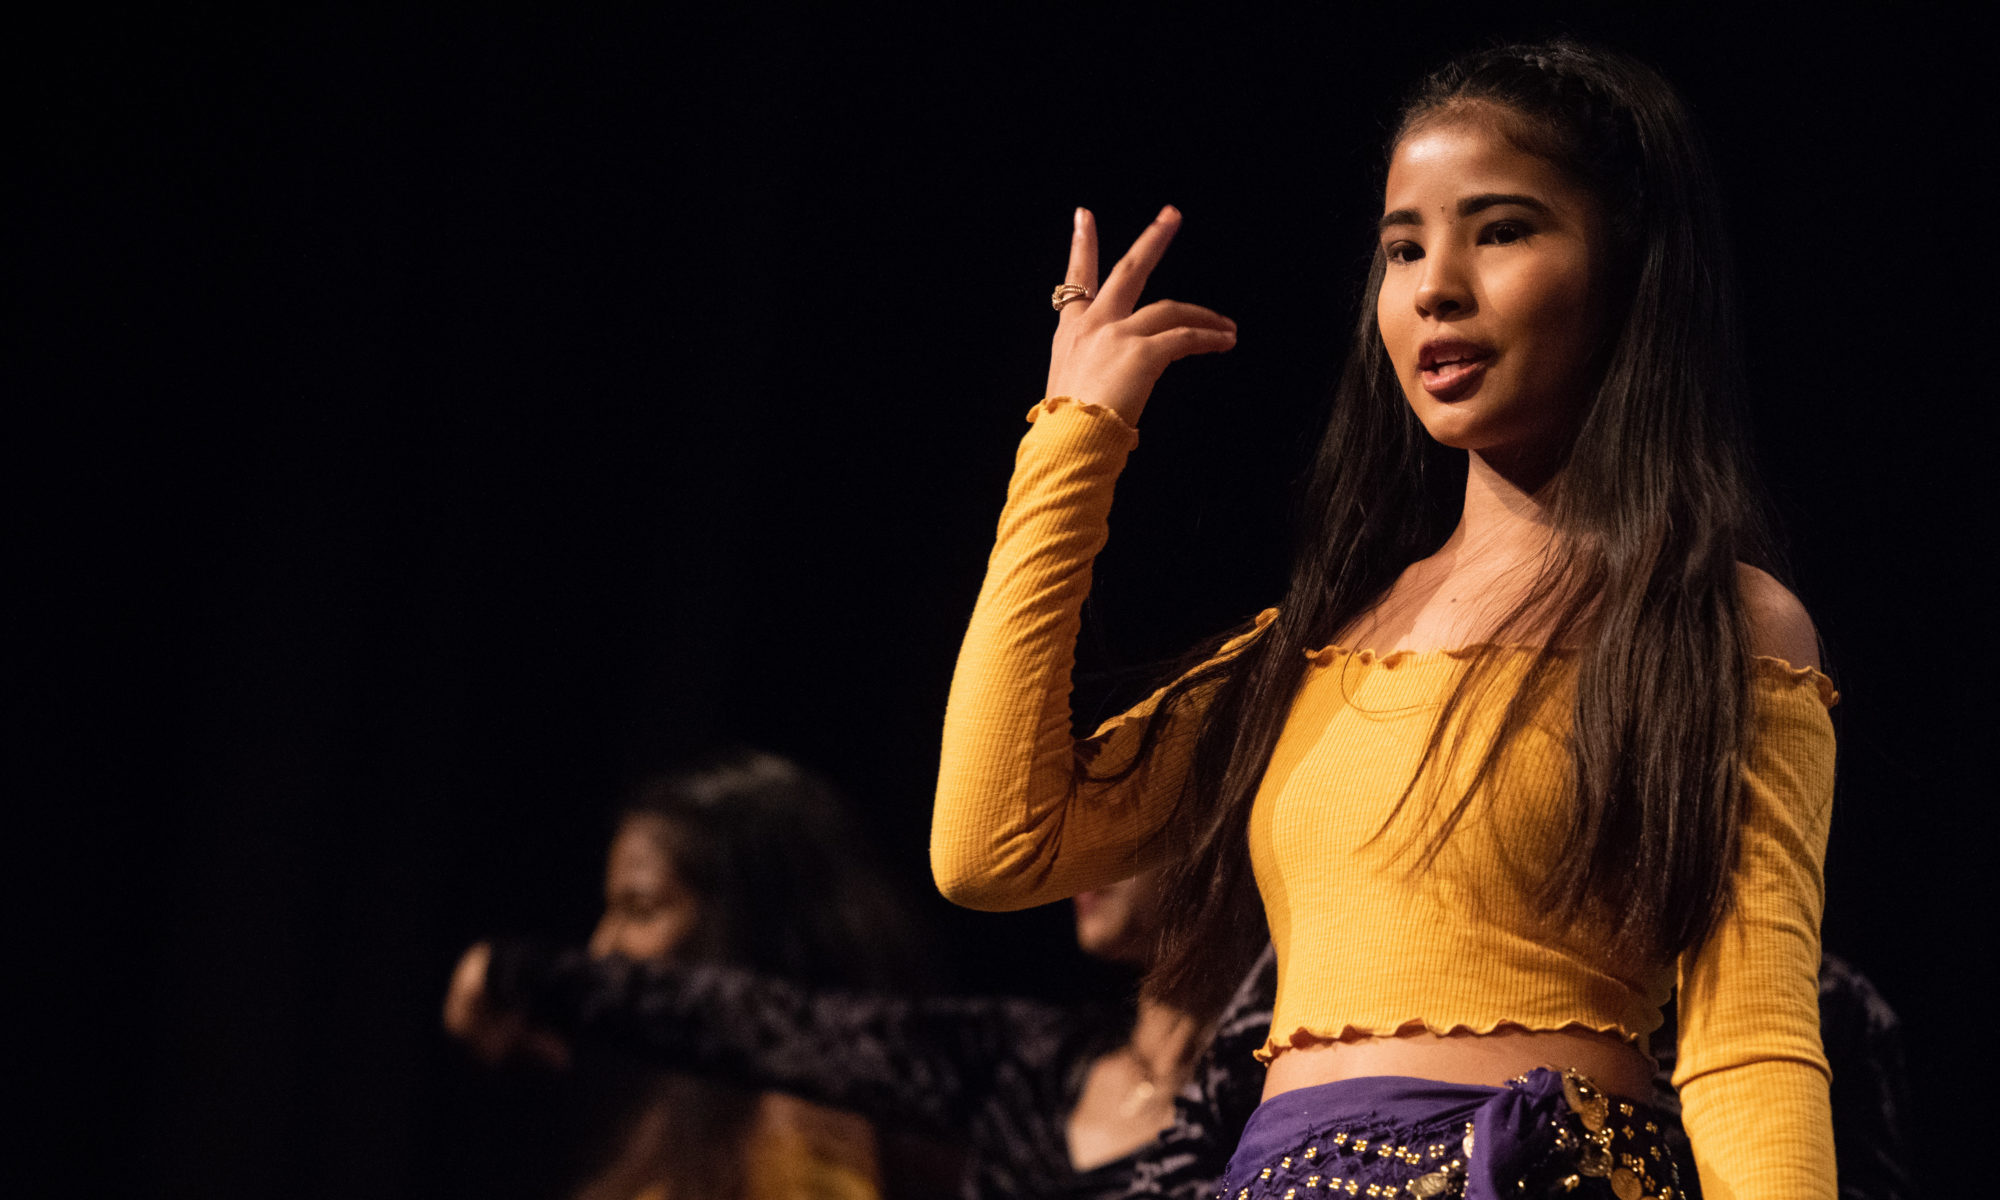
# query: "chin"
1455,429
1464,424
1103,943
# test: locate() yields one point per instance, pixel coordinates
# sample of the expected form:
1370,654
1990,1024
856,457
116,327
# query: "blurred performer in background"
1097,1101
742,861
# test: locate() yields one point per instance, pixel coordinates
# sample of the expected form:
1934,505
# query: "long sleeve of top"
1870,1086
1019,819
1752,1070
1457,948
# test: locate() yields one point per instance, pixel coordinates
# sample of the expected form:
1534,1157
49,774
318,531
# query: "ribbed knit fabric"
1365,945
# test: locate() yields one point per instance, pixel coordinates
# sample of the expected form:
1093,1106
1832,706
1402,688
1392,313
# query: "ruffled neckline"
1396,658
1766,667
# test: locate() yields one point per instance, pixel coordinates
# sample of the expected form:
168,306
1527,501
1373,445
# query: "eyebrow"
1466,207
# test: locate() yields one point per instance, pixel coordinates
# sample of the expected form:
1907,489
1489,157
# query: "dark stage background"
428,423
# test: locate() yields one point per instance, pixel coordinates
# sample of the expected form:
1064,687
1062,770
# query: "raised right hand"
493,1035
1105,352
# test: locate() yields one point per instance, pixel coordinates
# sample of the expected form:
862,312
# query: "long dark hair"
785,882
1653,509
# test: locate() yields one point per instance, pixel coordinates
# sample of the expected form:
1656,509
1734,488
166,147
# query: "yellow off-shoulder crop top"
1365,945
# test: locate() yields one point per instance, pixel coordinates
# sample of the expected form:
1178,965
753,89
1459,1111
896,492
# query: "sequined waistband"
1547,1133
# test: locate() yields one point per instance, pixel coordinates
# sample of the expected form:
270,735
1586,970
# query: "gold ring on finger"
1067,292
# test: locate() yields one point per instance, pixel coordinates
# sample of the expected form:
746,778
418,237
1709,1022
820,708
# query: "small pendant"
1138,1098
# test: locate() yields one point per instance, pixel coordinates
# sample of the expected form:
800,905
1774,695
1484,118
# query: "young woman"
1532,739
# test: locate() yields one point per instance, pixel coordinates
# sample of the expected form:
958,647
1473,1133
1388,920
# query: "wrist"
1057,402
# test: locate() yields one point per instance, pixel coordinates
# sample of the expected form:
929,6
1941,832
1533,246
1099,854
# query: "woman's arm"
1017,823
963,1067
1752,1072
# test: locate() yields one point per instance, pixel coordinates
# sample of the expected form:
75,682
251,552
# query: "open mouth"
1450,352
1452,368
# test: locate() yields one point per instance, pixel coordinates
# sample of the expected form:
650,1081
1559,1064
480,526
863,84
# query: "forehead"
1440,162
638,850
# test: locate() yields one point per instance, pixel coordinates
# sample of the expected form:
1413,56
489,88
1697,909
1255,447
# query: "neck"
1163,1039
1505,514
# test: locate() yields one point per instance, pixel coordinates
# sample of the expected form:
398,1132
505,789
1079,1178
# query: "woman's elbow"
970,881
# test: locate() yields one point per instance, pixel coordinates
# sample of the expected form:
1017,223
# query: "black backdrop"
428,423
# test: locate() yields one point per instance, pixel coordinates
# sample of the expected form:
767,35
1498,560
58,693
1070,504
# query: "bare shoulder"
1779,625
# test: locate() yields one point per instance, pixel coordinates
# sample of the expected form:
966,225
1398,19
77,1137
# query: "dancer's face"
1120,922
648,911
1491,301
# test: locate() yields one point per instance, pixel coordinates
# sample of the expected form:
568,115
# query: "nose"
604,938
1443,290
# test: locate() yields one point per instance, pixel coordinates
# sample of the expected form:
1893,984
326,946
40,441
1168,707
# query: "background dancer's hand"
1106,352
491,1033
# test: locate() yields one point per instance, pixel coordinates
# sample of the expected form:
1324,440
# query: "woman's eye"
636,908
1506,233
1402,252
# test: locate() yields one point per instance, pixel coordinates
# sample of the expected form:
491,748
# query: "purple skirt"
1548,1133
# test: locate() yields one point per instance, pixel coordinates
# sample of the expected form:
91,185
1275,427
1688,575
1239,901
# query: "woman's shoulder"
1779,625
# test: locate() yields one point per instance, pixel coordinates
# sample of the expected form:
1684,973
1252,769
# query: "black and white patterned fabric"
1000,1076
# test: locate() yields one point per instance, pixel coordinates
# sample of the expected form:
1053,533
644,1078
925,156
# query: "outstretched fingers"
1162,315
1174,330
1128,277
1176,344
1114,356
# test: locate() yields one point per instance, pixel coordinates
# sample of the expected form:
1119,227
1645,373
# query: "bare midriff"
1478,1058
